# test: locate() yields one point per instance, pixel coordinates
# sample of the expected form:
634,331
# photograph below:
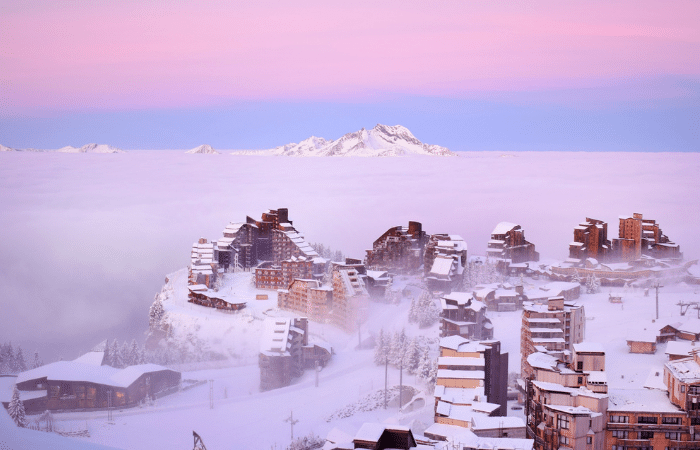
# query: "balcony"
634,442
660,428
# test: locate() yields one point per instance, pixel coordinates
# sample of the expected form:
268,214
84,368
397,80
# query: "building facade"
399,249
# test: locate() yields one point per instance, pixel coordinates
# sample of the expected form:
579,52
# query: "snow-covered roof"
443,265
598,377
372,431
680,348
461,344
456,412
275,336
467,439
460,396
640,400
655,380
93,358
542,361
492,423
685,370
77,371
589,347
462,298
503,228
574,410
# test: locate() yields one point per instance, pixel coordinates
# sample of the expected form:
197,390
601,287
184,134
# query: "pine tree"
425,366
126,355
20,363
134,353
37,362
16,409
398,349
155,314
116,355
592,284
413,312
413,355
576,278
381,349
107,358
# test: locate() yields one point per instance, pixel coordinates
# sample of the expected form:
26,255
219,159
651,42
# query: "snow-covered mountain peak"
204,149
91,148
382,140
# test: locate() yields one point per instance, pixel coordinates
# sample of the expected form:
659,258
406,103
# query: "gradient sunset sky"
506,76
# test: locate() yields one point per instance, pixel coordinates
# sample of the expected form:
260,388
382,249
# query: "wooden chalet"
379,436
399,249
71,385
199,294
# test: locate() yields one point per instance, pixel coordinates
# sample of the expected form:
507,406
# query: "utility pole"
291,421
316,370
657,286
386,377
401,384
211,394
110,418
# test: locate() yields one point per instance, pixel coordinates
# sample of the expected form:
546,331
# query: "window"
682,388
562,421
619,419
55,391
580,380
646,435
579,366
80,392
647,419
563,440
589,439
673,436
671,420
620,434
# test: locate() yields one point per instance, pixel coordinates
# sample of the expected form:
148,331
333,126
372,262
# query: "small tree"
20,364
413,355
16,409
37,362
576,278
155,314
310,442
126,355
116,355
381,349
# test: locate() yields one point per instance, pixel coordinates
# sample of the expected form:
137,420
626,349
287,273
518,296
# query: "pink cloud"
160,54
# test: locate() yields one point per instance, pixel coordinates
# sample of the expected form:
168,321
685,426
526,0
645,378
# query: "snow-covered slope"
6,149
382,140
205,149
10,149
91,148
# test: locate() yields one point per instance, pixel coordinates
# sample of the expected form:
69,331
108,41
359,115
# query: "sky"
546,75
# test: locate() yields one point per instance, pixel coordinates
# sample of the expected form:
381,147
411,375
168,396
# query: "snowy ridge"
10,149
91,148
203,149
382,140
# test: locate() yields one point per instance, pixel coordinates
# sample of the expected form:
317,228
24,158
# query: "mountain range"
382,140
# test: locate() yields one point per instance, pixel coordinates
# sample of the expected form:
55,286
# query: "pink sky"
105,55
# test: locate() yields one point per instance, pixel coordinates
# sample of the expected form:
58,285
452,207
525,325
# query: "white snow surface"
204,149
382,140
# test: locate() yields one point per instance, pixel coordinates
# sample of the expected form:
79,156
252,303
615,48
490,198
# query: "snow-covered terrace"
640,400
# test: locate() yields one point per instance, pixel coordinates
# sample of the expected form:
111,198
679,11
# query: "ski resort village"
267,340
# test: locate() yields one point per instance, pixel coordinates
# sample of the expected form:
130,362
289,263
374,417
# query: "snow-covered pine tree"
432,375
381,348
428,312
398,349
592,284
155,314
425,365
107,358
134,353
576,278
142,355
16,409
37,362
126,354
20,363
9,362
116,355
413,355
413,311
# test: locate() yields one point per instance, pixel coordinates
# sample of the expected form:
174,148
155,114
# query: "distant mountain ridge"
382,140
203,149
91,148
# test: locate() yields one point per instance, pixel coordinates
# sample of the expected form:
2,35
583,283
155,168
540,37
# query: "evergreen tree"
134,353
413,355
398,349
16,409
116,355
20,363
37,362
126,355
576,278
413,311
425,365
592,284
107,359
381,349
155,314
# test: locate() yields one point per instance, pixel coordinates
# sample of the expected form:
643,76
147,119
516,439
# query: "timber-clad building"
399,249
